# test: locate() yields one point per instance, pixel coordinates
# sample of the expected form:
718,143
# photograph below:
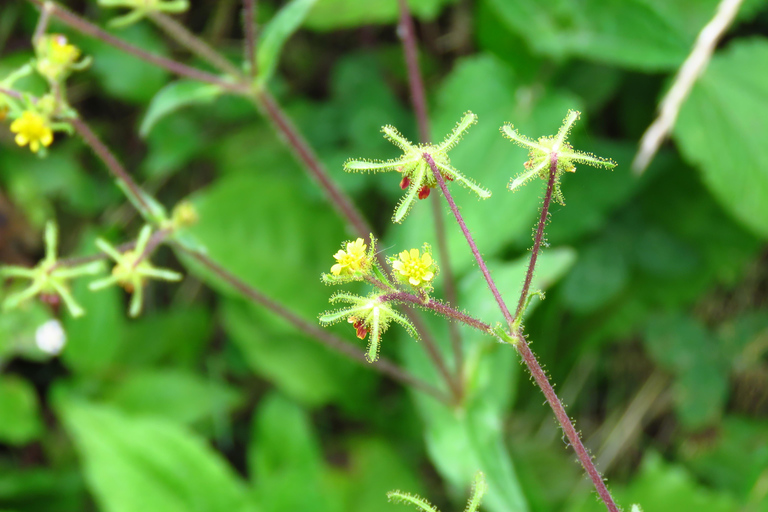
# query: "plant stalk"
85,27
521,343
407,34
195,44
249,29
328,339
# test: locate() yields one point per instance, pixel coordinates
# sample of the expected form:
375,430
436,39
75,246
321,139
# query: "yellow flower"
416,268
56,57
33,129
351,260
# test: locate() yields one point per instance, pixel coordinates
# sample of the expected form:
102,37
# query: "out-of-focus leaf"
175,395
637,34
736,459
721,131
138,464
551,265
175,96
121,75
487,87
299,366
663,487
686,348
41,489
598,275
286,462
176,336
335,14
276,33
19,416
94,340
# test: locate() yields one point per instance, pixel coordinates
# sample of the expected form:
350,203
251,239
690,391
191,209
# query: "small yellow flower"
33,129
417,268
56,58
351,260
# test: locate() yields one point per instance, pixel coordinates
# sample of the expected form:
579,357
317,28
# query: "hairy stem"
314,167
249,29
194,43
85,27
468,236
521,344
419,101
539,237
328,339
440,308
111,162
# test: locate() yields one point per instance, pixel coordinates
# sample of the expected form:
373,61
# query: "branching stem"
419,101
521,344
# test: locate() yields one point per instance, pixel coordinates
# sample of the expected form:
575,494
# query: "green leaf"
638,34
137,464
276,33
286,462
336,14
19,416
175,96
124,76
552,264
298,365
720,131
683,346
177,395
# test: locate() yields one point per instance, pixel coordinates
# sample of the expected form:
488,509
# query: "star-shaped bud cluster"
417,177
49,279
370,314
548,151
133,269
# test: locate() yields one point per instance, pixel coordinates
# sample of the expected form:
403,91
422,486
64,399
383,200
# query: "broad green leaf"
734,460
486,86
298,365
276,33
123,76
664,487
462,441
136,464
94,340
41,489
599,274
176,395
721,131
175,96
19,416
686,348
552,264
286,462
638,34
335,14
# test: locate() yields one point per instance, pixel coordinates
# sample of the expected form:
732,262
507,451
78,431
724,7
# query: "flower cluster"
35,120
548,151
372,314
417,176
56,58
414,268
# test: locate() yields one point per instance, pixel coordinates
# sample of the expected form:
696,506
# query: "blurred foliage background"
654,328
